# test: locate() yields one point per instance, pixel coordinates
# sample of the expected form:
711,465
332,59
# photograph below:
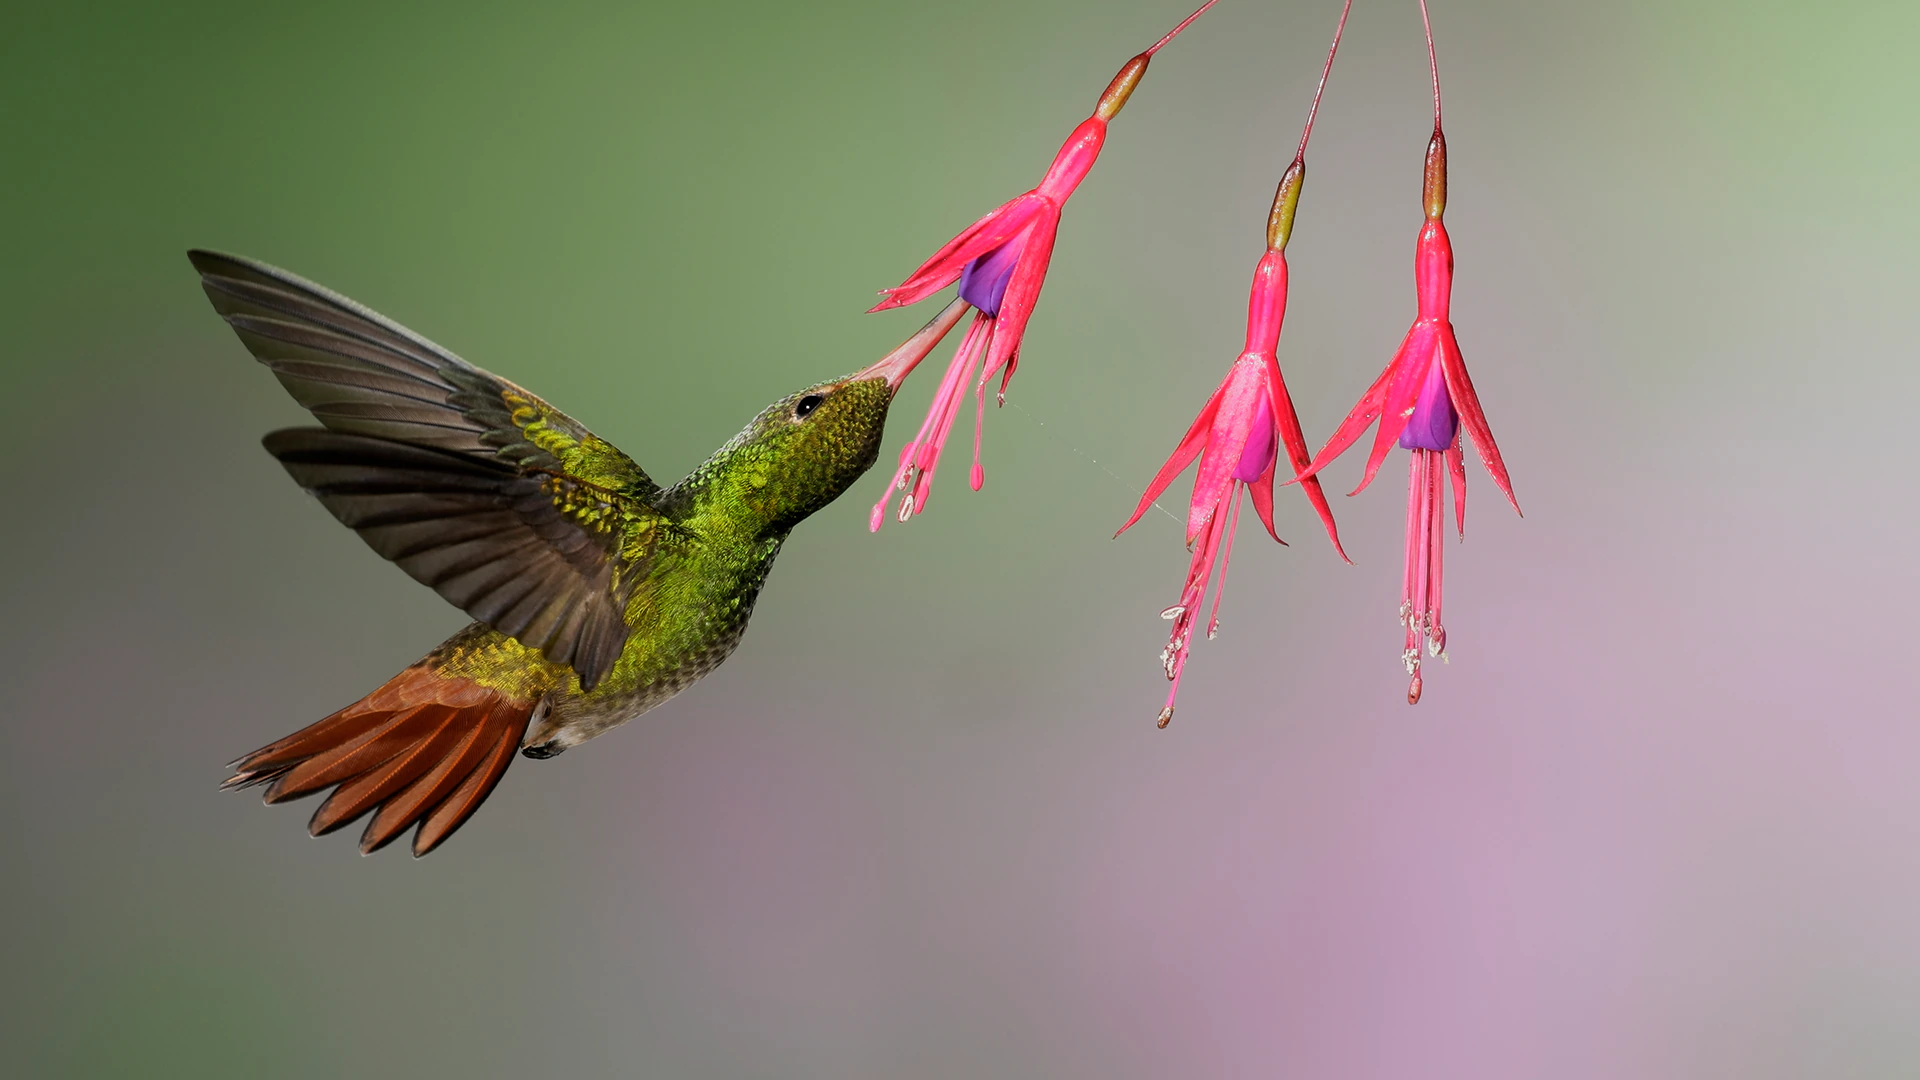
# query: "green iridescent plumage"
597,593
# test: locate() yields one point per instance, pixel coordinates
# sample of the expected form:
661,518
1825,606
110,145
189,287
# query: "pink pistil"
1426,541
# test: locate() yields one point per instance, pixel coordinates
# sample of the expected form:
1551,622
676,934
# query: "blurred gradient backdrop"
1657,819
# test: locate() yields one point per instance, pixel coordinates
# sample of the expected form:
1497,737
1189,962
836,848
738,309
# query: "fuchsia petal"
1006,373
1023,291
983,281
1403,390
1434,422
1182,456
1242,394
943,269
1256,457
1472,418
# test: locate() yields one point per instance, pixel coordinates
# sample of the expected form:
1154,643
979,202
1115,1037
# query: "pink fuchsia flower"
1239,431
1000,263
1424,400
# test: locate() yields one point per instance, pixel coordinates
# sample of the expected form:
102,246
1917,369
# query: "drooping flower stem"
1286,198
1325,69
1122,86
1184,23
1433,63
1433,190
1114,98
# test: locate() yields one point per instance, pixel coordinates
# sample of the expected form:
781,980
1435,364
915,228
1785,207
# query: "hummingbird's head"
804,450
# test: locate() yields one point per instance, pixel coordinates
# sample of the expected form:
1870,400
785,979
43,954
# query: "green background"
1657,819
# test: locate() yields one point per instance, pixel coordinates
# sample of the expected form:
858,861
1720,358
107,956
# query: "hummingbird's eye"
804,408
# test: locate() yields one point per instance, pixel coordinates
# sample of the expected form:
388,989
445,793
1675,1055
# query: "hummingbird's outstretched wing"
542,557
505,506
357,371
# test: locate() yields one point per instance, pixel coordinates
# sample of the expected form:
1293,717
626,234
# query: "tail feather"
355,797
270,762
352,759
429,791
424,749
453,811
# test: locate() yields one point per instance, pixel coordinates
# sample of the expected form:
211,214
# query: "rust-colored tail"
425,747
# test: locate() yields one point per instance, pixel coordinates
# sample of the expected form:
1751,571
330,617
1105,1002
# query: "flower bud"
1434,191
1121,88
1285,201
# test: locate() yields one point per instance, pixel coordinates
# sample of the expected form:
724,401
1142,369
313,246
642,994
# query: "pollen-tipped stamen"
1426,543
947,409
1192,595
1436,533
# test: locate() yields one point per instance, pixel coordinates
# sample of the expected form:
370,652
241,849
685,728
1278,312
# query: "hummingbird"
596,594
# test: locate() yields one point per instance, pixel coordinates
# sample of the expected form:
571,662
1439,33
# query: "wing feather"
362,373
510,509
508,547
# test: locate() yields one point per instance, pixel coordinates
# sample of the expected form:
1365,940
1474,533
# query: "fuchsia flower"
1238,432
1000,262
1423,399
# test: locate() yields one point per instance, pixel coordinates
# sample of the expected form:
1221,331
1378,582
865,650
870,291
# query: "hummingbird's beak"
898,364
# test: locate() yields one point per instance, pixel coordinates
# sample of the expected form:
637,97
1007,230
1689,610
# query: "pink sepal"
1295,442
1023,292
1457,471
1473,419
1409,370
943,269
1182,456
1226,440
1262,492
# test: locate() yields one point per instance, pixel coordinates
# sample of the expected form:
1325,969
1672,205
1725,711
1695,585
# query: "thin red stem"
1184,23
1433,63
1300,155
